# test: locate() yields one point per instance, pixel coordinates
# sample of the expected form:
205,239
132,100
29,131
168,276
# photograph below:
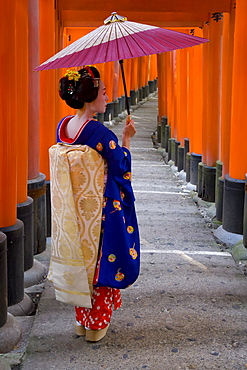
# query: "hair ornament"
96,82
89,71
72,75
91,74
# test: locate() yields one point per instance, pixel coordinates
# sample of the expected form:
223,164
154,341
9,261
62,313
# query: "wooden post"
205,92
169,88
214,88
8,115
195,97
238,149
162,85
134,81
22,98
108,79
48,84
33,90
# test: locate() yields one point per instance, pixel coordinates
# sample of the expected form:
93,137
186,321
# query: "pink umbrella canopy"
119,39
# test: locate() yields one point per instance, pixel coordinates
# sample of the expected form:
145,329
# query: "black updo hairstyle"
85,90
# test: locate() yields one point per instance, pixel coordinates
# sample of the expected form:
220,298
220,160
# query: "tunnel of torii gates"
201,120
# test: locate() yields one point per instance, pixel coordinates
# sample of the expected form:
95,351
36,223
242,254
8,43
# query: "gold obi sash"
77,184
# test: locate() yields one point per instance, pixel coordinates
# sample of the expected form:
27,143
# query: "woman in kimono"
86,92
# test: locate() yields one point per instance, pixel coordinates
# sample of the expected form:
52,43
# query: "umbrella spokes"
119,39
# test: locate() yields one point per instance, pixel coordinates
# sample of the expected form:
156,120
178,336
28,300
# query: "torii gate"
207,111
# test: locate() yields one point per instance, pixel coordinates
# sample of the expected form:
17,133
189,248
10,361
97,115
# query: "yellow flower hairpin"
72,75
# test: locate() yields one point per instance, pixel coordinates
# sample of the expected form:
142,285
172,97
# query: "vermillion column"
101,69
173,143
8,122
162,85
48,84
9,224
140,65
169,103
152,72
121,92
145,76
162,97
48,96
36,183
212,127
169,87
134,81
115,100
25,203
108,80
34,86
182,101
233,206
195,97
205,91
127,72
222,165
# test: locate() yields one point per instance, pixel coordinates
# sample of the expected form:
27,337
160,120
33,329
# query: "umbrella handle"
124,85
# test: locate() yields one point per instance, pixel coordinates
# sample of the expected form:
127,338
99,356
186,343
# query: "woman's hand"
128,131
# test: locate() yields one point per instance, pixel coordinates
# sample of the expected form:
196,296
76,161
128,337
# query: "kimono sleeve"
118,158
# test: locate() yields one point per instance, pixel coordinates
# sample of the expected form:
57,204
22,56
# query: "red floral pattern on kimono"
104,300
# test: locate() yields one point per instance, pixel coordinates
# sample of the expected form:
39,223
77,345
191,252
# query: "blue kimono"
119,259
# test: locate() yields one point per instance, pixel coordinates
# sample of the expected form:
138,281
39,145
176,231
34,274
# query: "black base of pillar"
120,102
163,133
100,117
188,155
144,92
167,136
177,143
245,216
233,205
199,180
195,159
171,149
15,262
10,335
123,103
186,150
134,97
220,197
208,183
219,191
180,158
151,86
108,115
129,102
155,84
140,94
116,108
158,133
3,279
25,213
146,89
37,191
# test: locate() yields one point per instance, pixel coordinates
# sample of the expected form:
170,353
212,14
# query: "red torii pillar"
212,95
36,180
222,165
234,182
9,224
